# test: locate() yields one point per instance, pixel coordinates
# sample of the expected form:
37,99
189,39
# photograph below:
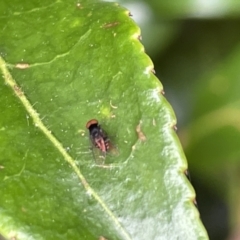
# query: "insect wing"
98,155
96,148
112,149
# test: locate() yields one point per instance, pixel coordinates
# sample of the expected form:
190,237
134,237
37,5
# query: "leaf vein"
38,122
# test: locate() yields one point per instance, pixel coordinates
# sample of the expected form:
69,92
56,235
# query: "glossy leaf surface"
62,64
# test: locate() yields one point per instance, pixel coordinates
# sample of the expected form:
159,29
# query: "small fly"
100,141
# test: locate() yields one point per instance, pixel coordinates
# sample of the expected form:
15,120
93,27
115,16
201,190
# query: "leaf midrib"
9,80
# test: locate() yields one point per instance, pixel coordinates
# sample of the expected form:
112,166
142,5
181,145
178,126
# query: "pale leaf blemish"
106,111
136,36
173,124
105,166
13,235
81,132
79,6
113,106
74,24
22,65
148,70
140,134
89,193
67,149
153,96
24,209
154,122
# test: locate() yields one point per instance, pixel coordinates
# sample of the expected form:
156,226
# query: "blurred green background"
195,47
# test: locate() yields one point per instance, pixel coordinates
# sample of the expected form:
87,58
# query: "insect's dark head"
94,128
91,122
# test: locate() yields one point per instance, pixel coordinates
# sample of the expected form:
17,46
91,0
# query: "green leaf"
62,64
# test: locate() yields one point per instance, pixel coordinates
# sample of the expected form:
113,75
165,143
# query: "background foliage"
195,48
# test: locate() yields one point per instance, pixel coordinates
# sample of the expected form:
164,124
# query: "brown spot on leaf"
109,25
195,202
102,238
153,71
187,174
18,90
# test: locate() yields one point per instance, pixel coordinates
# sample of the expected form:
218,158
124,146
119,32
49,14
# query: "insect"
99,140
